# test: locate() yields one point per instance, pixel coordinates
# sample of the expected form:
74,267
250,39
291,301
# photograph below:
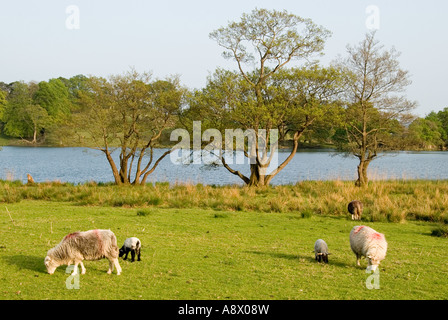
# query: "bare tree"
375,101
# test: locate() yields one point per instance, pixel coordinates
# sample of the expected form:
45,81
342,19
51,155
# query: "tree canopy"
127,112
268,40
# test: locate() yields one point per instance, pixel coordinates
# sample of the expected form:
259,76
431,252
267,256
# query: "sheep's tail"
113,240
113,245
138,245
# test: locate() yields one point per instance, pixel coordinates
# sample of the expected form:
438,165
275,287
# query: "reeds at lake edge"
391,200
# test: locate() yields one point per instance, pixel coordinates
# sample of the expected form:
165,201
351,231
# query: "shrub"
307,213
143,212
440,231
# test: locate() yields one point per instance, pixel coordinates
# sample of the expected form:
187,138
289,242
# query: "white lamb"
366,242
79,246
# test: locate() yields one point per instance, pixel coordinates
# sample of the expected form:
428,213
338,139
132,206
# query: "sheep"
355,208
321,251
78,246
30,179
132,245
366,242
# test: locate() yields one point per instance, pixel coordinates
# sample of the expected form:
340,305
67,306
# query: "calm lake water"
79,165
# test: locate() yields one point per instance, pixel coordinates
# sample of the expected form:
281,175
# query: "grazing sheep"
79,246
132,245
355,208
366,242
321,251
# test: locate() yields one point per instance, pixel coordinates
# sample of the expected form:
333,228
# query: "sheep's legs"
83,269
126,254
112,263
117,265
111,267
75,269
132,255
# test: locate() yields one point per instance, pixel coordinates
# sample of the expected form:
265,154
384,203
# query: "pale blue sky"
171,37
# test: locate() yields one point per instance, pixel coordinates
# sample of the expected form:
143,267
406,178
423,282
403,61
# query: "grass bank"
384,201
204,253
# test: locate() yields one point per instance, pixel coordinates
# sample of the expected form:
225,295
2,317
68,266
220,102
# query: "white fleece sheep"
79,246
321,250
366,242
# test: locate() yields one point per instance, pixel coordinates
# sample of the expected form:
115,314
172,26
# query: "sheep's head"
374,262
121,252
50,264
375,255
322,257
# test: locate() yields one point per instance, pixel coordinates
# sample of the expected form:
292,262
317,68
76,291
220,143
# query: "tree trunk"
297,135
147,173
362,173
35,135
257,176
115,172
124,168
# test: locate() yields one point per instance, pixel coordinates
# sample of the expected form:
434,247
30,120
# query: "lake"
79,165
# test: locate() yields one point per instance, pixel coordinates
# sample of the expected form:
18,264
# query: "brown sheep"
355,208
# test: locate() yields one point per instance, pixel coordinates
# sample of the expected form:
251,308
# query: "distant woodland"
36,113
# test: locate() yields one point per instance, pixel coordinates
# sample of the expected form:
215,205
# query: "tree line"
356,104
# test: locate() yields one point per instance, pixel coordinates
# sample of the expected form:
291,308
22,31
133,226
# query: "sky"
40,40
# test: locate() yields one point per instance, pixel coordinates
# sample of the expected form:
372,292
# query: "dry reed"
391,200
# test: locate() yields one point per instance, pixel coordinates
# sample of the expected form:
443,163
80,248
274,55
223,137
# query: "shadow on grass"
297,257
32,263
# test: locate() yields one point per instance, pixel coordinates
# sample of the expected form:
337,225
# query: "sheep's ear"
328,253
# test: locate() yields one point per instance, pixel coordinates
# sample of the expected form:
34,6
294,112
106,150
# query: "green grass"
215,253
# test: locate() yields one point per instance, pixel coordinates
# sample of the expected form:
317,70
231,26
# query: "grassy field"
210,251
